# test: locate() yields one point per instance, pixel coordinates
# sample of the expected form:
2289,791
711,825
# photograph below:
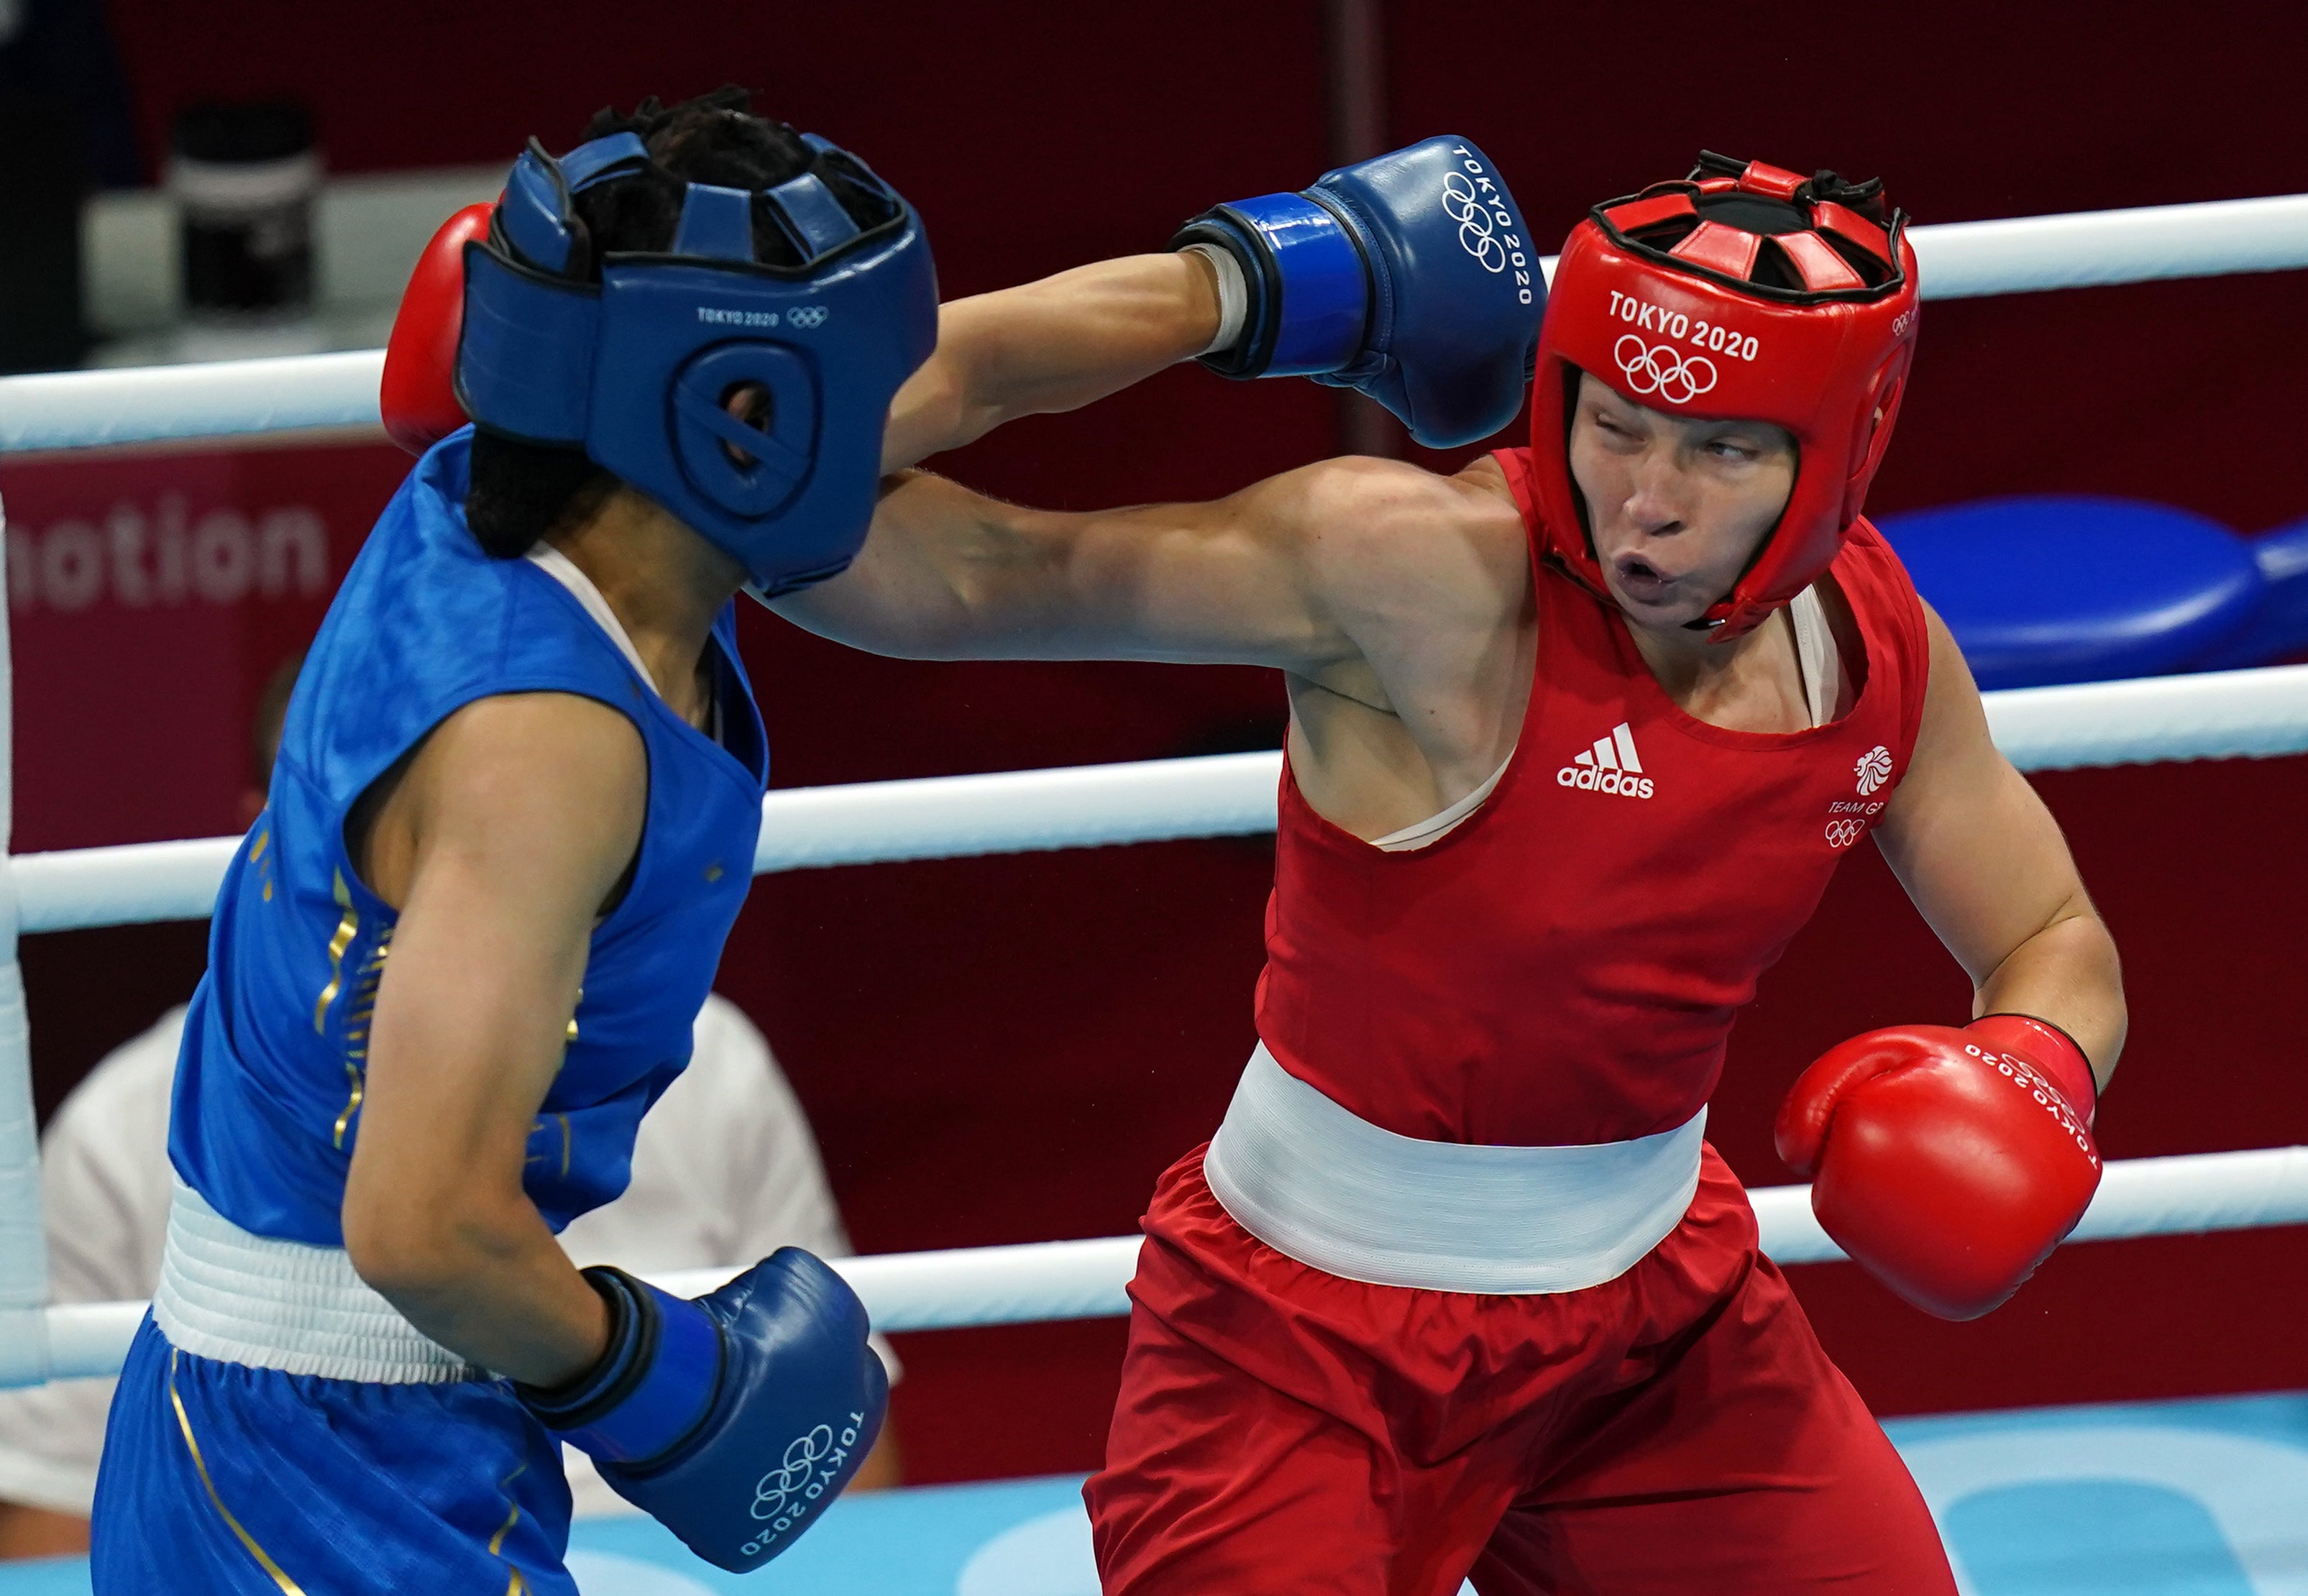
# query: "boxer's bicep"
1968,837
520,814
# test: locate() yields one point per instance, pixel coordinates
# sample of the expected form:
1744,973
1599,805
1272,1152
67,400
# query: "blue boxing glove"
732,1420
1408,277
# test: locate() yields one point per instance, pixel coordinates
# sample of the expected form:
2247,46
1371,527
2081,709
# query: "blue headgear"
635,368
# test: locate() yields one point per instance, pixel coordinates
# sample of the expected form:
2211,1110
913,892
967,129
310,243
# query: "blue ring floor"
2182,1498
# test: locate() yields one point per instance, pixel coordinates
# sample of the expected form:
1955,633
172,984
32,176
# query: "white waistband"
238,1298
1315,1182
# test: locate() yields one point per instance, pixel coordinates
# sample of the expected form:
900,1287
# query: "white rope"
1047,1281
216,398
1009,812
2219,715
128,884
2186,1195
1959,260
2091,248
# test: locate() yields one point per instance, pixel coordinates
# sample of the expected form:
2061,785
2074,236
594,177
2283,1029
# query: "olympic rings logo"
806,315
1842,834
1674,377
1464,206
783,1496
793,1473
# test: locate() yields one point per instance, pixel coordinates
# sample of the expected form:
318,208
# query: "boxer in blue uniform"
458,957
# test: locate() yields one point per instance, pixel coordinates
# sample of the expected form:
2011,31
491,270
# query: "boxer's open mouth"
1639,578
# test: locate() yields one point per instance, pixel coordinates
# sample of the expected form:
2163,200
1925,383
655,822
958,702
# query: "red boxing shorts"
1677,1429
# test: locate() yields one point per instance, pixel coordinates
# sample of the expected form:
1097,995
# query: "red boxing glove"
418,396
1948,1162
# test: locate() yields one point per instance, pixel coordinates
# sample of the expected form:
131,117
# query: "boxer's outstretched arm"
1985,864
499,842
1054,345
948,573
1338,570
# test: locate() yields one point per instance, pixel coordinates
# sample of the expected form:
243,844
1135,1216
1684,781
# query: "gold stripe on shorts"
288,1587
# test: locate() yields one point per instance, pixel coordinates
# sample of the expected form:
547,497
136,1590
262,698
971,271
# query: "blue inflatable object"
2054,588
2280,629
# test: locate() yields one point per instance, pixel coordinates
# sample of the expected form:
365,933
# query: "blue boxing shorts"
222,1478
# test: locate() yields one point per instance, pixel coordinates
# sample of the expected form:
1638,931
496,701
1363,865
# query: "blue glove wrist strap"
653,1385
1318,280
1310,292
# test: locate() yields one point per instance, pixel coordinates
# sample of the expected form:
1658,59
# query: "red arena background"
1011,1049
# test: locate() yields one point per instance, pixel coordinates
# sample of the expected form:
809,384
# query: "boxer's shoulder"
1423,572
1366,521
553,786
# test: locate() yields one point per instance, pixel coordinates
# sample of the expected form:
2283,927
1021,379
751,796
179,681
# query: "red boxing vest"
1564,967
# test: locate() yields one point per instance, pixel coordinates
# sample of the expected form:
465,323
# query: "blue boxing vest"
269,1085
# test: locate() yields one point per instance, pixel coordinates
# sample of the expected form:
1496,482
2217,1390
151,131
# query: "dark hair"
522,491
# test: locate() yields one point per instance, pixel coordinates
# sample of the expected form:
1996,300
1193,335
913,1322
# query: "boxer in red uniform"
1578,737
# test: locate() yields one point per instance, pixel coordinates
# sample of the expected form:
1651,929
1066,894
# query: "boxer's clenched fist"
1409,277
734,1420
1949,1162
418,396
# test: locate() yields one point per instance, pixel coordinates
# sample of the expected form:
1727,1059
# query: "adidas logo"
1611,766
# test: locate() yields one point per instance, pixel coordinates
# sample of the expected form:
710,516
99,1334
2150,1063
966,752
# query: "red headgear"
1743,293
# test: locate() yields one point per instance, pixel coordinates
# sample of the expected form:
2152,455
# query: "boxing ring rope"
2225,715
2218,715
1959,261
1042,1281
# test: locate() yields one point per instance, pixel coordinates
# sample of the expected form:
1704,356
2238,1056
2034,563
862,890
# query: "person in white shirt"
725,1169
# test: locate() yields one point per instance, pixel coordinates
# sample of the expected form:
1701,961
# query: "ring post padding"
24,1239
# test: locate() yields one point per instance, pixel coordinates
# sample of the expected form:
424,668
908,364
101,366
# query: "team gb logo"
1873,769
